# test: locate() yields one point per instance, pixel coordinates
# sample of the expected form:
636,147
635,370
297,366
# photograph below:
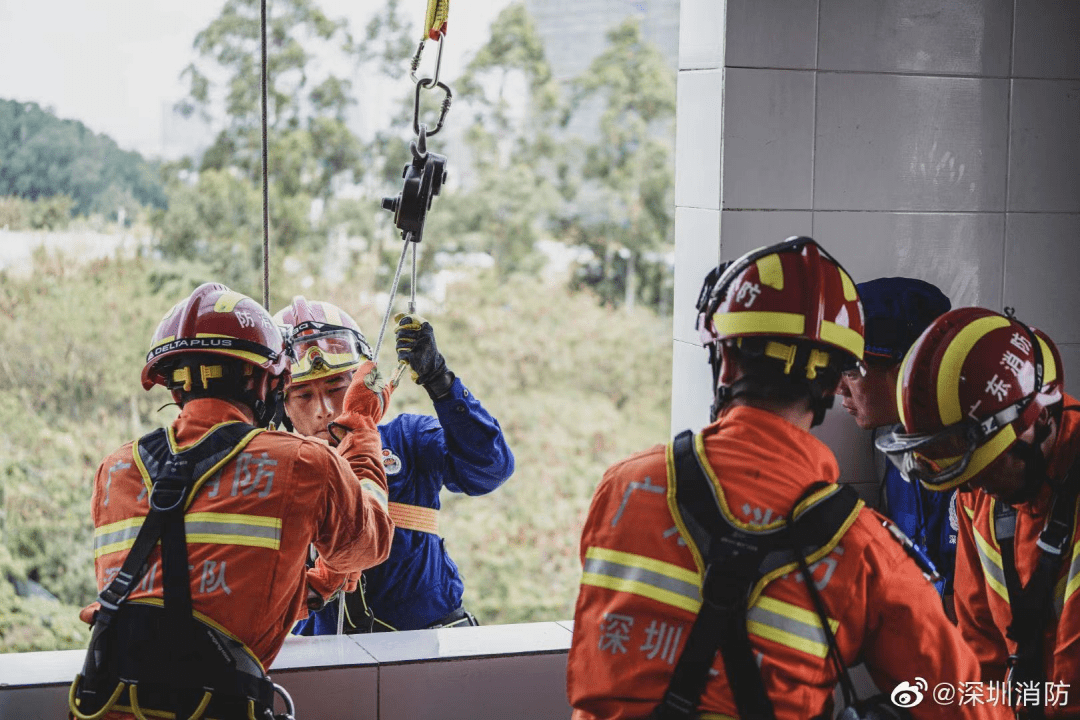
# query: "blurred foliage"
628,171
45,213
42,156
309,142
505,204
574,384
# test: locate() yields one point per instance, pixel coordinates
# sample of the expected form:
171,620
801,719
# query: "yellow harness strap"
435,24
414,517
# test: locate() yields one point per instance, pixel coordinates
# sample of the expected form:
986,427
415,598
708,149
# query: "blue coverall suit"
463,450
928,518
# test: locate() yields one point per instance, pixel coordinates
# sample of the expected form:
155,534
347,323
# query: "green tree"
628,172
309,142
42,156
505,204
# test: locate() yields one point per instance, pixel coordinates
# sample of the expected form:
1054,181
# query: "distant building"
574,31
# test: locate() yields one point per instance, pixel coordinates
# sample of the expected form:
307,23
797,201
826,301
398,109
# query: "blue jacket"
464,451
928,518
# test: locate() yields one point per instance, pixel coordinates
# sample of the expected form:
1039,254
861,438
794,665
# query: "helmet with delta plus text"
791,302
217,321
972,384
323,339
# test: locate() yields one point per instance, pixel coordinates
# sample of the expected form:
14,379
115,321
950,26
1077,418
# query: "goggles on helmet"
941,460
952,456
319,349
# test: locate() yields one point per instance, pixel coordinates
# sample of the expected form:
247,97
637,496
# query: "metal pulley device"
423,179
424,176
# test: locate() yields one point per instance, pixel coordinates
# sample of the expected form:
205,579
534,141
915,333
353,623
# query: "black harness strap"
735,560
174,479
1031,603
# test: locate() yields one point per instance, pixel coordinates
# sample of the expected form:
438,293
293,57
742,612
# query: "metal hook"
427,83
415,64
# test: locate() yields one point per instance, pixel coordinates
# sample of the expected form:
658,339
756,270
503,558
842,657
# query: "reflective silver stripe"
116,536
230,529
227,528
641,575
790,625
377,492
995,575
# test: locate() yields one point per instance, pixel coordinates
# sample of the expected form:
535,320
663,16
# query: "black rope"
265,154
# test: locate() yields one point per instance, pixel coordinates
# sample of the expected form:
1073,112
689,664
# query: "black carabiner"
425,83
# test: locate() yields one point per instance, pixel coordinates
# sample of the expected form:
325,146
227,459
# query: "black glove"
416,346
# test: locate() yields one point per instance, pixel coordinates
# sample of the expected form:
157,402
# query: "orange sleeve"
908,635
973,615
355,530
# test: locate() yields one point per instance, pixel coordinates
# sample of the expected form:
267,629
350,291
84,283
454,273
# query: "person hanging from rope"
462,449
728,574
984,410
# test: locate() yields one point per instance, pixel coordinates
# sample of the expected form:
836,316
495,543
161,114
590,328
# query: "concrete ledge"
495,671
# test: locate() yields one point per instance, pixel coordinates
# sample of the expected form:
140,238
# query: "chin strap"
819,405
1036,468
272,409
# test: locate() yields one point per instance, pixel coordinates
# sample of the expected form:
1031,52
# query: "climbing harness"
161,653
738,561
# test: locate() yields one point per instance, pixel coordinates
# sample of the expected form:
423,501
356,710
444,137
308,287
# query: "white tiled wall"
914,137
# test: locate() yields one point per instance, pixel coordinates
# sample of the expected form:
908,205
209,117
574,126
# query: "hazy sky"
115,64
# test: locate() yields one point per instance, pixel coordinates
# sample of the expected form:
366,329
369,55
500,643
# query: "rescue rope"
265,173
423,177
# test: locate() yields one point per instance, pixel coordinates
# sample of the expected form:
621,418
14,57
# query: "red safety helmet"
322,338
217,321
795,298
970,386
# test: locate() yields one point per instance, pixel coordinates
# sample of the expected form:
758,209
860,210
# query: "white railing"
471,673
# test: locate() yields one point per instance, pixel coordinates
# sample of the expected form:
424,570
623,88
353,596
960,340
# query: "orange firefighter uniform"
982,599
249,527
640,590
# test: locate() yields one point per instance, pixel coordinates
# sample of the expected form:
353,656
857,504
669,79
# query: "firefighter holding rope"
462,449
202,529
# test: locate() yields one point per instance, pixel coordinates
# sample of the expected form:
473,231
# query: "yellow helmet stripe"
227,302
900,384
952,363
1050,370
771,271
766,323
980,459
849,286
843,337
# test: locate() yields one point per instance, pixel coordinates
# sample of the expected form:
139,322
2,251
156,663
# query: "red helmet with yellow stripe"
323,339
971,385
791,300
214,320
